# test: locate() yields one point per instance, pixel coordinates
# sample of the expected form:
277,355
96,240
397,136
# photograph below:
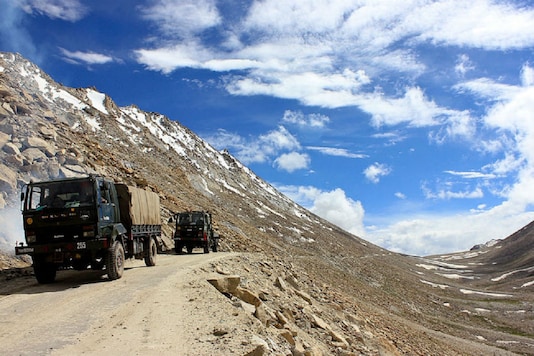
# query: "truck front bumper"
63,247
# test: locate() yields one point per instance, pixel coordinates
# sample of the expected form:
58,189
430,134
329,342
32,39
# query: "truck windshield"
59,195
191,218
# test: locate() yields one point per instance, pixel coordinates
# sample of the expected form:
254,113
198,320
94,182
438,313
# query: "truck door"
106,206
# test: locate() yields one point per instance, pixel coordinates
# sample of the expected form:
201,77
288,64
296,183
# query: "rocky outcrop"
299,323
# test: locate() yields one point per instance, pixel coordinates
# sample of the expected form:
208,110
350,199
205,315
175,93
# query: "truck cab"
194,229
76,223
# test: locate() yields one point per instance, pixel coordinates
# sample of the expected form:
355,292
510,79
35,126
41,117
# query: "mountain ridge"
49,131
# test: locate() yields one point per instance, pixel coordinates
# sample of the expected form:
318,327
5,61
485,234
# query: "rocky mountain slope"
323,290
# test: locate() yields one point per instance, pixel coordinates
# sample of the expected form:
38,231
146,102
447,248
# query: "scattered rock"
279,282
227,285
220,332
319,323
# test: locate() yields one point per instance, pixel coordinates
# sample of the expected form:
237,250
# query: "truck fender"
119,232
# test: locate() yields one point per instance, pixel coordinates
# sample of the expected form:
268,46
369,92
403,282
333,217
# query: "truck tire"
151,252
207,247
45,272
178,248
115,261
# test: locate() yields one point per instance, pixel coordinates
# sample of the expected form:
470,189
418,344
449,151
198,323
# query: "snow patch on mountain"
97,100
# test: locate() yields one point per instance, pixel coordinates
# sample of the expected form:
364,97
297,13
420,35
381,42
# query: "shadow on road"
22,281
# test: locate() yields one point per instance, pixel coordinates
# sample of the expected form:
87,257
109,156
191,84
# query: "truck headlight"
85,214
31,237
88,231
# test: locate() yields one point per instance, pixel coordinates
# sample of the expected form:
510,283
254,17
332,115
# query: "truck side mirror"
170,220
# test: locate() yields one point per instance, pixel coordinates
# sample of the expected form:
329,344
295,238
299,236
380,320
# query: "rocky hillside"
353,297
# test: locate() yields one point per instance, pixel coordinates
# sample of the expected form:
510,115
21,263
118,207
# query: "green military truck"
88,222
194,229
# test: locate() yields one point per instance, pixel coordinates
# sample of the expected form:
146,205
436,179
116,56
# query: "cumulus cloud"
260,149
375,171
292,161
480,24
511,139
434,234
333,206
323,52
67,10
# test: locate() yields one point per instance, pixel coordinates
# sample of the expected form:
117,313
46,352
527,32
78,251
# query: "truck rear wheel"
115,261
45,272
207,247
151,252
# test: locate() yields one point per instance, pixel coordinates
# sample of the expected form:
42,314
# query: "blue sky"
409,123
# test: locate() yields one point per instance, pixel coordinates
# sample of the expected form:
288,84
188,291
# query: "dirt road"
166,309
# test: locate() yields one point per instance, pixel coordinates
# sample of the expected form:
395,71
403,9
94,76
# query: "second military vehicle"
194,229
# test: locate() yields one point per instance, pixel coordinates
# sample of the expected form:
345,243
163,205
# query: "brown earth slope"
333,292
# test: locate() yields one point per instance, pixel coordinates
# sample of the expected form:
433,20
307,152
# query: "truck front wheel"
115,261
45,272
151,252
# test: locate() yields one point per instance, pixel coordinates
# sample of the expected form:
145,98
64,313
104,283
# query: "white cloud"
472,175
283,17
330,90
68,10
258,149
412,108
449,194
527,76
463,65
333,206
292,161
400,195
375,171
326,53
78,57
311,120
182,18
280,139
478,23
334,151
486,88
510,163
434,234
167,59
